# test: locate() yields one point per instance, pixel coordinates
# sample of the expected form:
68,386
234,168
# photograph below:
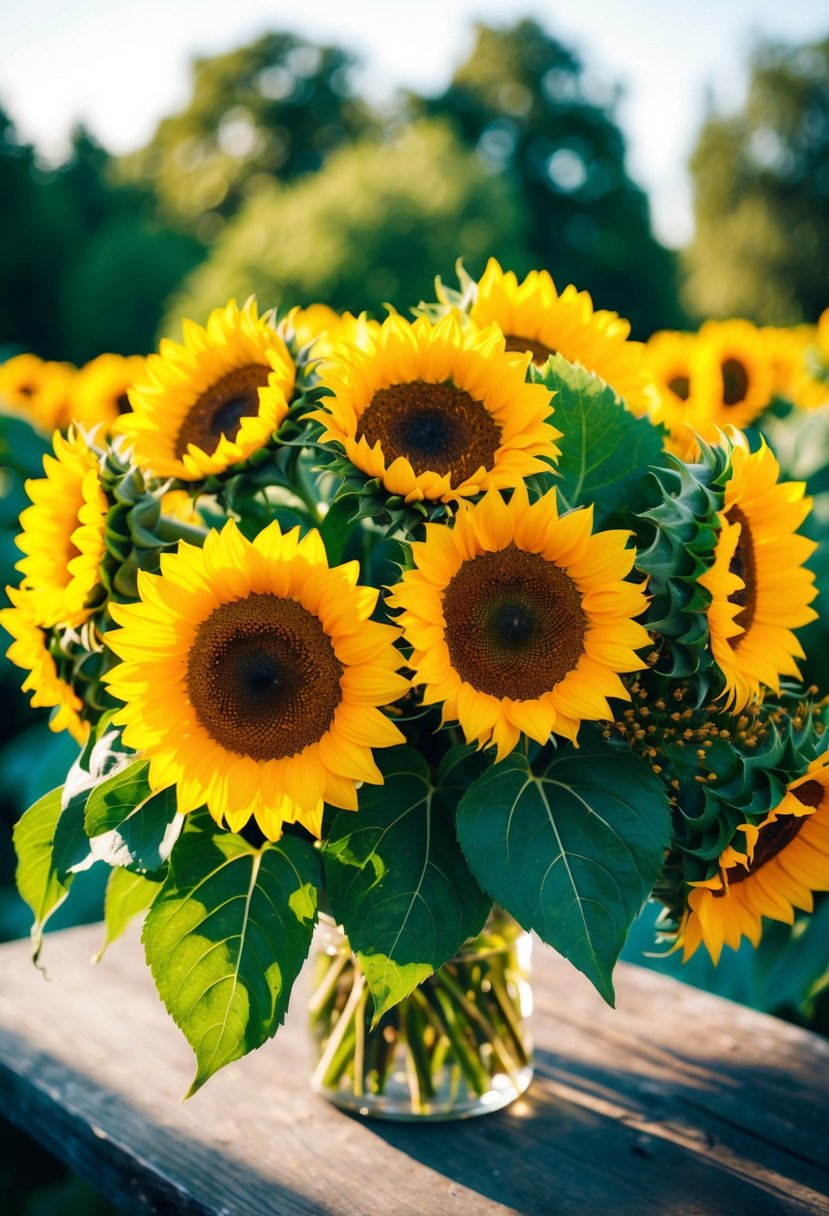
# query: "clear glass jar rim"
474,946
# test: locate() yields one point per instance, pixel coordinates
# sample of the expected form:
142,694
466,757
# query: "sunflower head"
99,395
322,332
251,678
812,387
759,586
668,359
770,868
37,390
436,412
31,649
520,620
211,402
732,379
63,536
142,521
534,317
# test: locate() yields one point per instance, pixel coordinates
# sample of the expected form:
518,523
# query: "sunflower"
732,377
759,587
521,620
435,412
252,675
812,386
63,534
536,318
177,504
30,650
769,871
99,390
327,330
668,358
37,390
211,402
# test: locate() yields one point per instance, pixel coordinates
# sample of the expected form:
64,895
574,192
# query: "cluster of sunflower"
731,373
51,395
400,619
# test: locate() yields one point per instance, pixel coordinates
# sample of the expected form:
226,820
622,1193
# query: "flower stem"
334,1059
170,529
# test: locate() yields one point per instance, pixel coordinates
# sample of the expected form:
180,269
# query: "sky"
121,65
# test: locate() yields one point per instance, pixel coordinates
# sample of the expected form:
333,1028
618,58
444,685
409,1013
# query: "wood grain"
676,1103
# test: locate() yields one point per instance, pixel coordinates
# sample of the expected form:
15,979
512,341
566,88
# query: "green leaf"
337,528
71,850
38,881
572,853
128,825
226,938
100,759
605,450
127,895
397,881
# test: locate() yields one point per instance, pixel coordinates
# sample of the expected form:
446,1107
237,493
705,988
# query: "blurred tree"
761,180
84,266
276,107
374,225
29,243
525,103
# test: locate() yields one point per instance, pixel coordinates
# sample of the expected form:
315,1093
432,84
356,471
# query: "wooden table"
676,1103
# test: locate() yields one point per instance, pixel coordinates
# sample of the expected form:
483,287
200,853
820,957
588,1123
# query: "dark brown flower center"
514,624
26,390
221,408
734,382
810,793
122,403
539,351
438,428
744,565
680,386
263,678
774,838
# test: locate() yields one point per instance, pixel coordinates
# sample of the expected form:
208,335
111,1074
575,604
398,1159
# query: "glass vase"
459,1045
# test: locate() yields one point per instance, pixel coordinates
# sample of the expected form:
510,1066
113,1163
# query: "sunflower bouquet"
425,626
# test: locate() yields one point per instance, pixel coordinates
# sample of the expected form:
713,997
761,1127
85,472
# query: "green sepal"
748,761
390,513
132,533
677,539
449,299
748,774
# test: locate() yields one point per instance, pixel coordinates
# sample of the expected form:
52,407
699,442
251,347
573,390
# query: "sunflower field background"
278,179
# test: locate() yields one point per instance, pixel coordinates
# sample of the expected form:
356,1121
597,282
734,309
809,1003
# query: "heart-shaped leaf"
572,852
397,880
605,450
226,937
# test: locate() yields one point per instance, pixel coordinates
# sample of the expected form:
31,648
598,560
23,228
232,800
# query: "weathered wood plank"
676,1102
